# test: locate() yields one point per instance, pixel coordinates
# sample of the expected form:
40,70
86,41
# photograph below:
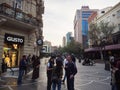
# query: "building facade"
18,25
113,17
81,25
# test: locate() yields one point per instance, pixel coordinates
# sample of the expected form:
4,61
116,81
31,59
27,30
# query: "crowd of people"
61,68
55,68
27,63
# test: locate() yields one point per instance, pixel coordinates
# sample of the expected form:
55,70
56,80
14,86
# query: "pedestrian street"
87,78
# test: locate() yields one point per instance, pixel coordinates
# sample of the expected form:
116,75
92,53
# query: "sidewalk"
11,76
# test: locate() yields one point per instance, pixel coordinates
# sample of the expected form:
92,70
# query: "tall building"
68,37
91,20
81,25
20,22
64,42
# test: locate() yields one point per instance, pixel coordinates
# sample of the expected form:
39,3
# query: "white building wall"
111,16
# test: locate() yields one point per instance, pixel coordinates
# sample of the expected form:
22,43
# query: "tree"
106,30
93,34
72,47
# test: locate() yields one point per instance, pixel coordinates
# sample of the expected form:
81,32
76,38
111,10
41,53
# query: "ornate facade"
20,26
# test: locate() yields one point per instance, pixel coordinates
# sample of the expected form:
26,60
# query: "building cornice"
109,11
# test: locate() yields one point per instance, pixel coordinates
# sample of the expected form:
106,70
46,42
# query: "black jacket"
71,69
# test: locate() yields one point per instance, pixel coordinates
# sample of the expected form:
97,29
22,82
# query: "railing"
17,14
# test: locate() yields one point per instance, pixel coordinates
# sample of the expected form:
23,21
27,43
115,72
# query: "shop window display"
10,55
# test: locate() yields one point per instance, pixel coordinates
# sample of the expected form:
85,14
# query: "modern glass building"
68,37
81,25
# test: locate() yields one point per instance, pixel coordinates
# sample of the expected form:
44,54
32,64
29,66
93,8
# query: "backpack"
55,76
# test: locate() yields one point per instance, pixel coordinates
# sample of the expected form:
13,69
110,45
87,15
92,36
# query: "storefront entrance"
10,54
12,44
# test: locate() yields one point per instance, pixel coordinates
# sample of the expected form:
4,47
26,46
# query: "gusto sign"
9,38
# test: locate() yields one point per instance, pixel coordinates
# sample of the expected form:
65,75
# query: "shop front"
11,49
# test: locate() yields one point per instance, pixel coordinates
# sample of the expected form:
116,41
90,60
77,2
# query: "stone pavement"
87,78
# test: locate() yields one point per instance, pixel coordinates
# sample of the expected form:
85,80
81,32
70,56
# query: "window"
17,3
119,26
118,14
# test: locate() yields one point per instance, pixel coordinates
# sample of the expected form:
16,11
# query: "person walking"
50,66
22,68
36,64
71,71
64,64
57,76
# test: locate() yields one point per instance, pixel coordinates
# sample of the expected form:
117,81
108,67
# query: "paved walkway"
87,78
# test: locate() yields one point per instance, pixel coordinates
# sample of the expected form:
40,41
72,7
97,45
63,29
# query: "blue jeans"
56,84
114,87
21,73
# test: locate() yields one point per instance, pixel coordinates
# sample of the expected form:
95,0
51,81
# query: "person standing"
73,58
64,64
36,64
117,77
50,66
57,76
113,81
71,71
22,68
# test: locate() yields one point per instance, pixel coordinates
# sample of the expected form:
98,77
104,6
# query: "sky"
59,15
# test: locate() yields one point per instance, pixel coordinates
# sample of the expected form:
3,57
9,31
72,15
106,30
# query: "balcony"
16,15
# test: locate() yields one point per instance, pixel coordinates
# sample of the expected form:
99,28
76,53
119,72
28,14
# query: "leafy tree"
93,34
106,30
101,34
72,47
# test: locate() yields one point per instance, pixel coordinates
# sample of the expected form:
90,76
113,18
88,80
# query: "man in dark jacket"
22,68
71,71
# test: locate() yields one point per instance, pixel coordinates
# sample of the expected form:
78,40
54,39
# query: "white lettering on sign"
19,40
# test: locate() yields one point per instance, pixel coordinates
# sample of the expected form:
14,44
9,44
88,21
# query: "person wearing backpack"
71,71
57,76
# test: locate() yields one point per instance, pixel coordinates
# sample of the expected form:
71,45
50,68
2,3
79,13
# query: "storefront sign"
39,42
9,38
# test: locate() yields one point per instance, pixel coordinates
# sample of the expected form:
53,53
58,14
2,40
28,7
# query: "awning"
92,49
108,47
112,47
